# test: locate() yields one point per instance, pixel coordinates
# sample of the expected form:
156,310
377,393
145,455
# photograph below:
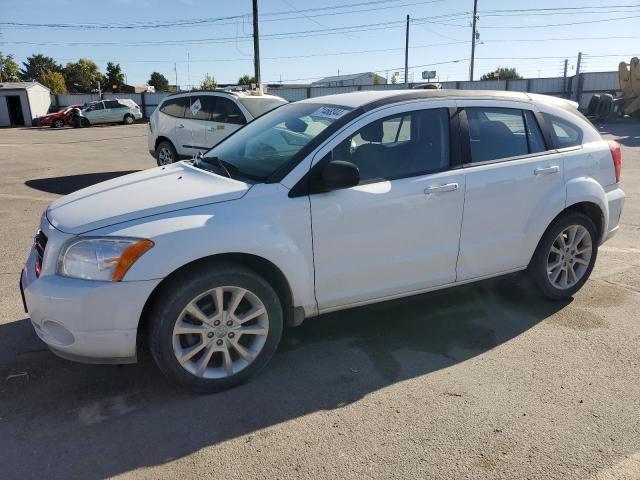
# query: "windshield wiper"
221,164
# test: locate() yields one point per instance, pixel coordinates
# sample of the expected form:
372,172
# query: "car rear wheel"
215,327
166,153
57,123
129,120
565,256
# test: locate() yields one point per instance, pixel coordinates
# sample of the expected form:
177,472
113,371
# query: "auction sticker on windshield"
332,113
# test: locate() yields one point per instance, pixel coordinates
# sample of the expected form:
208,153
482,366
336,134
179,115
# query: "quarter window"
175,106
497,133
564,133
399,146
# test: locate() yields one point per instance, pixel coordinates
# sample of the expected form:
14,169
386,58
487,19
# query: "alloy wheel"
569,257
165,157
220,332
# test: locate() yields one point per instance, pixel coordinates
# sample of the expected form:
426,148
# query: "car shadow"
96,421
71,183
627,131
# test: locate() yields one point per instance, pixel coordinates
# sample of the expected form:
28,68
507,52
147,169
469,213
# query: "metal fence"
579,88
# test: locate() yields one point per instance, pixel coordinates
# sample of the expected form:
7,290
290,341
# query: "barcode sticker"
332,113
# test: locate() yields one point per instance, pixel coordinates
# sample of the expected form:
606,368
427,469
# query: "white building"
22,102
366,78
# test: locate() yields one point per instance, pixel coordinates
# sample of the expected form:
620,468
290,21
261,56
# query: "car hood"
141,194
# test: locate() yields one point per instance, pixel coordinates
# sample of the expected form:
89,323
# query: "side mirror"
338,174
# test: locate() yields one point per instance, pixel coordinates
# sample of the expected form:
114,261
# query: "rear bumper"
82,320
615,202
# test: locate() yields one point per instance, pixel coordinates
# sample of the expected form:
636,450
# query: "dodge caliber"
316,206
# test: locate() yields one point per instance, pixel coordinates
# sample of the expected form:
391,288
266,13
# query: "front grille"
40,243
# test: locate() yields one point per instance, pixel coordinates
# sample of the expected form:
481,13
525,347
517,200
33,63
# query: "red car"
58,119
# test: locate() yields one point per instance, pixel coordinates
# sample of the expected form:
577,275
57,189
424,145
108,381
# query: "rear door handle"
447,187
180,126
547,170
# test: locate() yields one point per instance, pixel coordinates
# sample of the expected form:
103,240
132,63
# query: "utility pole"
577,77
578,64
406,54
473,38
256,44
564,79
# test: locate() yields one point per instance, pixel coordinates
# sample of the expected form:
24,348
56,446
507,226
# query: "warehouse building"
21,103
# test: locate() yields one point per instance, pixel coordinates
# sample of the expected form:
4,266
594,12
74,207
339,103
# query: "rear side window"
175,106
112,104
200,107
565,134
497,133
400,146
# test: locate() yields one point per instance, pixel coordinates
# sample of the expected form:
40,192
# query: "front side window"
399,146
271,141
200,107
564,133
227,112
175,106
497,133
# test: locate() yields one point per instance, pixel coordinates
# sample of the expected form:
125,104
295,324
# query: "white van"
186,124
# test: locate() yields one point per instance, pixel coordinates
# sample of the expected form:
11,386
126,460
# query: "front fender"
266,224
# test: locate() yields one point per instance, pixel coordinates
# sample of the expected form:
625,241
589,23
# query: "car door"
170,115
225,119
110,112
95,112
191,131
397,231
514,187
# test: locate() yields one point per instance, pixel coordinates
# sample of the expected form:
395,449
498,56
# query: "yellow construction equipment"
629,77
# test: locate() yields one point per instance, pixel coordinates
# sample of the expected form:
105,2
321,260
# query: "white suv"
186,124
320,205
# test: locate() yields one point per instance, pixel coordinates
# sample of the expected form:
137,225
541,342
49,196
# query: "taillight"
616,153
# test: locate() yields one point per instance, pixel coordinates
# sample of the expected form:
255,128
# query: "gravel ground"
480,381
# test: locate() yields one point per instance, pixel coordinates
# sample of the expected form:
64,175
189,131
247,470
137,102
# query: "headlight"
105,259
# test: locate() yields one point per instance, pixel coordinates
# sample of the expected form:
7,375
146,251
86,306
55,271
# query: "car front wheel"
129,120
57,123
565,256
215,327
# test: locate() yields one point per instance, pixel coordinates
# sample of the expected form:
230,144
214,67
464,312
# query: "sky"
305,40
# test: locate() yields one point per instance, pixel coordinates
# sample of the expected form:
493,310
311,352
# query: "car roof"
383,97
232,93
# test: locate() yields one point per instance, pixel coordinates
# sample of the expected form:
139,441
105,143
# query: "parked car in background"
318,206
186,124
123,111
60,118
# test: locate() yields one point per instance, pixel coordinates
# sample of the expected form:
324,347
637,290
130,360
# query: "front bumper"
90,321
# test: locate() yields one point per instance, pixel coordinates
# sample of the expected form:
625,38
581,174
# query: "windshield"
269,142
260,105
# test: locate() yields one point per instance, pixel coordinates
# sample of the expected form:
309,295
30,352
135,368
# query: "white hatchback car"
320,205
187,124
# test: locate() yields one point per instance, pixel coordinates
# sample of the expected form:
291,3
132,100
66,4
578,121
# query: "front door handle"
447,187
180,126
547,170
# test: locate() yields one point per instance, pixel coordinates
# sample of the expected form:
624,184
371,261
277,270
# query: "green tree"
159,82
54,81
9,70
83,76
115,77
37,65
246,80
502,73
208,83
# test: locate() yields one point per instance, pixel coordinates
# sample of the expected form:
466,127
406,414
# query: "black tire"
179,292
84,122
163,149
128,119
75,122
57,123
538,267
605,107
592,108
